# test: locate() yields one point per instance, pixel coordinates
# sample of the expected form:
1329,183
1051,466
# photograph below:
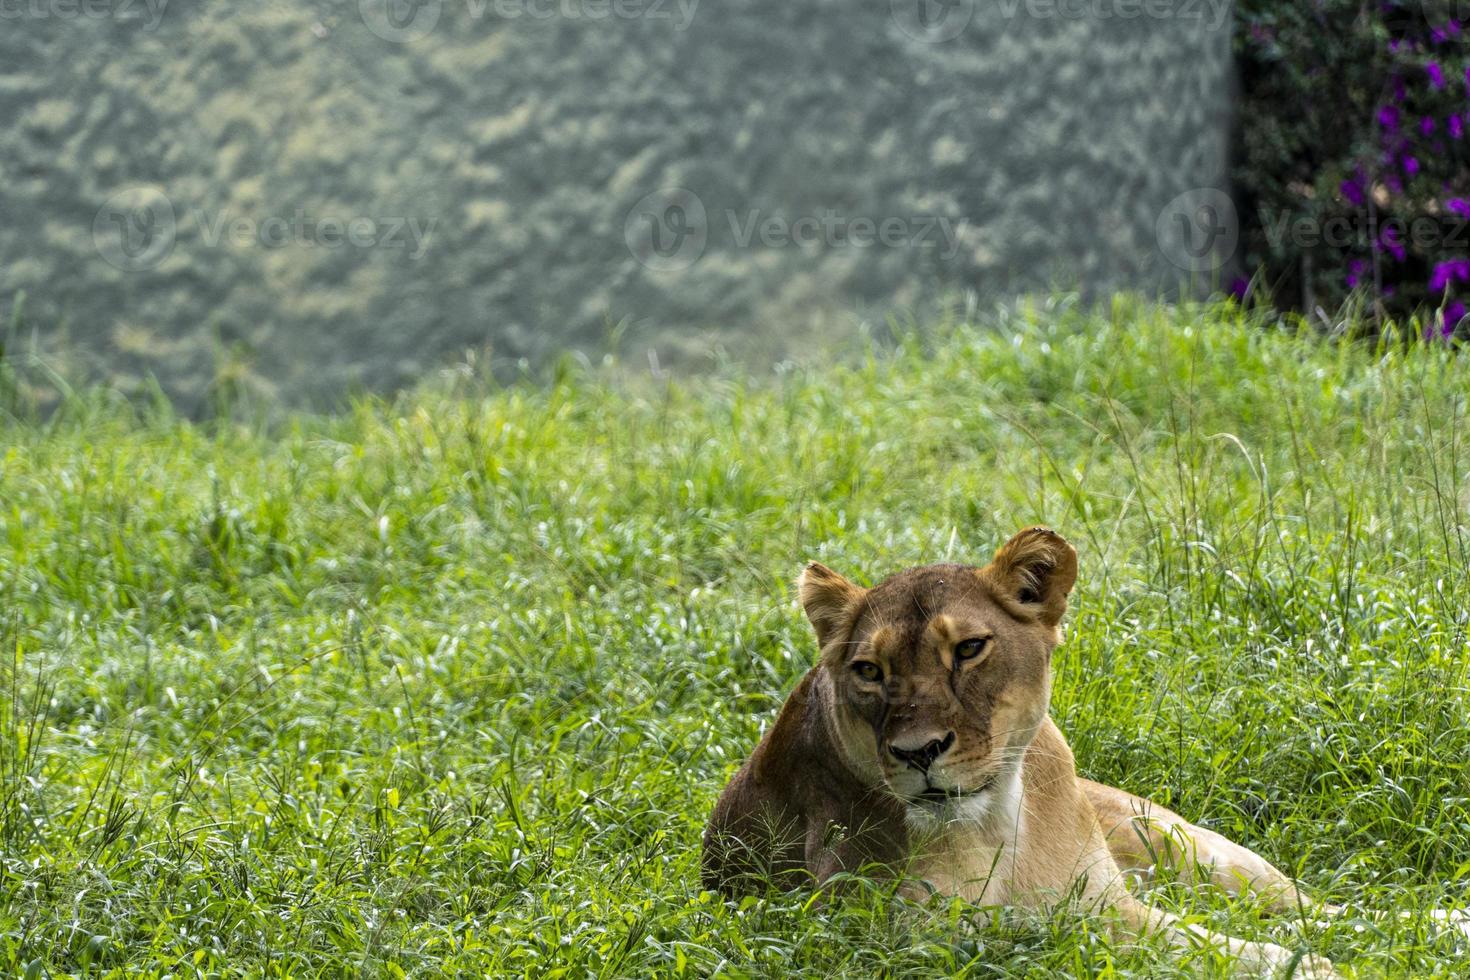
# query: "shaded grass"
448,685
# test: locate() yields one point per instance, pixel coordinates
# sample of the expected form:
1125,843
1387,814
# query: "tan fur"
947,772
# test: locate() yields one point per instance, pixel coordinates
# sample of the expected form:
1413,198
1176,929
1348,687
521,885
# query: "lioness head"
941,675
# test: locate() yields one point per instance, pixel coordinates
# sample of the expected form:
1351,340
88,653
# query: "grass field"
448,685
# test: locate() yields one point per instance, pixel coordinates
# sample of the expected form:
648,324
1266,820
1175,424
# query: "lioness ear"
1035,570
828,598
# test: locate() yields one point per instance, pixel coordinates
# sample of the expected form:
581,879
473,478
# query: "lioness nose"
923,757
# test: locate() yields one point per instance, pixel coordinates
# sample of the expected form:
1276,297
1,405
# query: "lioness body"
921,744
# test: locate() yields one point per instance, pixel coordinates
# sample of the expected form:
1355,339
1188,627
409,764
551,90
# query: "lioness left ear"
1036,570
829,600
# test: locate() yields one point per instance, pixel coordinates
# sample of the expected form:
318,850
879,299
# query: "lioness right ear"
1035,570
828,598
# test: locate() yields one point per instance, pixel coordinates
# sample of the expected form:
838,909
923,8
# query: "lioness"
921,742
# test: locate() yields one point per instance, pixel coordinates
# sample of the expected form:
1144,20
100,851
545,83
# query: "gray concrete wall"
355,192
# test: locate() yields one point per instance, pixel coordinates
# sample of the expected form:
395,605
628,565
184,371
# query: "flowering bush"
1352,154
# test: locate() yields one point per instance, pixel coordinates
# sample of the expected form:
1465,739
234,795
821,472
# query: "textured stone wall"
345,193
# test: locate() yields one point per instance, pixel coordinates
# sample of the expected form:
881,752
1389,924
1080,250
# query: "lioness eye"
868,670
969,649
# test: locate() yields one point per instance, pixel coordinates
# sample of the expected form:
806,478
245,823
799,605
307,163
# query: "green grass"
448,685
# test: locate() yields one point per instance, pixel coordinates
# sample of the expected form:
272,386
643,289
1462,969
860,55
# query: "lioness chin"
921,743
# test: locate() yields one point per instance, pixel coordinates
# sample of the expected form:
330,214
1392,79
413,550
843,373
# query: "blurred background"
314,198
295,682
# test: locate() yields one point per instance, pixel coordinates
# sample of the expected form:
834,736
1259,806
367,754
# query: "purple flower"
1356,268
1352,189
1239,286
1458,205
1411,165
1436,74
1456,127
1388,241
1388,118
1454,270
1443,324
1426,125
